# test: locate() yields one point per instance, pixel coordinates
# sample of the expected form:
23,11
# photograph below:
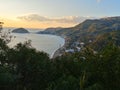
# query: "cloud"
38,21
70,19
66,19
33,17
99,1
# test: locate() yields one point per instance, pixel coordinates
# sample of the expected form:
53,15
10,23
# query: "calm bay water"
42,42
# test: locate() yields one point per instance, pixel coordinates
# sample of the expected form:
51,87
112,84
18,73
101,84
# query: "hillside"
89,30
102,40
20,30
49,31
93,27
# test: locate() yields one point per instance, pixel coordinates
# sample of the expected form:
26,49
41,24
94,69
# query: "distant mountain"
90,29
96,31
93,27
50,31
20,30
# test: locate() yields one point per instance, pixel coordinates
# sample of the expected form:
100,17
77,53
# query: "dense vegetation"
24,68
94,68
102,40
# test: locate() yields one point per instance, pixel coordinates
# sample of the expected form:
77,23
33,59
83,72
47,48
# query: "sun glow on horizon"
41,22
13,23
54,13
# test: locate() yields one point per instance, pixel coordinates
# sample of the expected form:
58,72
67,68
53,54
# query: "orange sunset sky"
54,13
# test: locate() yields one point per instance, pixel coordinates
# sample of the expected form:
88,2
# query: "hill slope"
96,31
20,30
91,29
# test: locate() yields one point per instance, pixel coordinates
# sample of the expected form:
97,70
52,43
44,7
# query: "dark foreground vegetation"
24,68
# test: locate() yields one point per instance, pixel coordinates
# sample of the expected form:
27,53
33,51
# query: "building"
70,50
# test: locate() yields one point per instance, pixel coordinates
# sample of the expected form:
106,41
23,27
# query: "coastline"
58,51
54,54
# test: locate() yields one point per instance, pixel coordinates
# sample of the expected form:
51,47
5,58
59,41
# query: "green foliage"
24,68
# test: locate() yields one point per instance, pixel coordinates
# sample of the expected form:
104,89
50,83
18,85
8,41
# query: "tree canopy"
24,68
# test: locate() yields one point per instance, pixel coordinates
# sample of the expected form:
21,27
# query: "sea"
41,42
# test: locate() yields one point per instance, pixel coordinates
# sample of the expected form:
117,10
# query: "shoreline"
58,51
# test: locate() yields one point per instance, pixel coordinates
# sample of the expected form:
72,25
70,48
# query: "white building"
70,50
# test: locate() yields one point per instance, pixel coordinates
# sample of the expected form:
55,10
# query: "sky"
54,13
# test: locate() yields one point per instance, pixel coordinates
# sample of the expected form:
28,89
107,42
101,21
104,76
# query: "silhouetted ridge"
20,30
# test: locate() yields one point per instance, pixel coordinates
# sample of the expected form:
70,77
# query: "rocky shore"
61,50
